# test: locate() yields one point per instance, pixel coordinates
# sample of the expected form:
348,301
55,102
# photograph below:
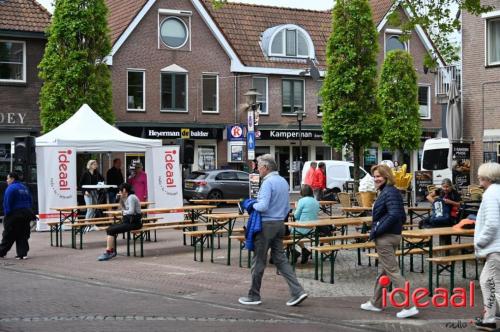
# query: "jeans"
88,201
271,236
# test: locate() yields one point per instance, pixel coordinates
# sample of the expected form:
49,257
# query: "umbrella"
453,121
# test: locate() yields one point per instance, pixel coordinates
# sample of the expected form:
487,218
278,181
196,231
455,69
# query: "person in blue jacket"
388,217
274,205
307,210
17,204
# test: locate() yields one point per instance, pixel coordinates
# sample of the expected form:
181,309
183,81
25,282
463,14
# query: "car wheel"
215,194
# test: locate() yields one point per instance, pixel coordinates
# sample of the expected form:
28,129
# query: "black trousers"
16,228
130,223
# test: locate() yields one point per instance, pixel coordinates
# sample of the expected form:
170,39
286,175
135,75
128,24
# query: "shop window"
135,90
206,158
493,41
12,61
174,92
293,96
210,93
260,83
424,101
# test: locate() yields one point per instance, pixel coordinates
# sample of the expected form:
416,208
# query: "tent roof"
87,131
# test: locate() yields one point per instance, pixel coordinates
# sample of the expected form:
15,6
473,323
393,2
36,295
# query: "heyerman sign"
179,132
290,134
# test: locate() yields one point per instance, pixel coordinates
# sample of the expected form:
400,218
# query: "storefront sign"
235,133
460,165
12,118
290,134
187,133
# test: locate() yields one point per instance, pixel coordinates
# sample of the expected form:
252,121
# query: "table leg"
316,243
430,267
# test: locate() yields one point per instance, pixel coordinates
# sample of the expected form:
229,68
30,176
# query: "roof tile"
23,15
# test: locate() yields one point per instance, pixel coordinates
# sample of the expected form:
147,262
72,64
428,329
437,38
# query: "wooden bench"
447,263
331,252
57,226
202,237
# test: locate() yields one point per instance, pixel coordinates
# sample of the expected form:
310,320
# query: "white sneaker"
370,307
405,313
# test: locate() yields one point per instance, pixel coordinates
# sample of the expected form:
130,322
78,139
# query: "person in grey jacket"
487,242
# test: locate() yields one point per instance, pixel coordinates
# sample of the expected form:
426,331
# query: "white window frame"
429,100
217,91
394,32
298,30
303,96
266,111
24,61
494,16
188,31
143,71
187,93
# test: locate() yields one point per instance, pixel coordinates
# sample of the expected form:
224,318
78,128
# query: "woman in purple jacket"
387,224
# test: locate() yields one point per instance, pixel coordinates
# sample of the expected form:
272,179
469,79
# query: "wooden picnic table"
313,235
70,213
426,236
418,212
212,201
349,211
325,206
222,221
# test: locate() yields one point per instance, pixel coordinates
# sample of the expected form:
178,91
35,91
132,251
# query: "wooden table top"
168,210
426,232
93,206
420,208
356,209
223,216
331,222
208,201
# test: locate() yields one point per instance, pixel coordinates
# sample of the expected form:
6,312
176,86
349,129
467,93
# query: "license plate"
189,185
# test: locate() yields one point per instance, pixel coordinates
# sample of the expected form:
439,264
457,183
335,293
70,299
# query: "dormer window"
393,41
287,40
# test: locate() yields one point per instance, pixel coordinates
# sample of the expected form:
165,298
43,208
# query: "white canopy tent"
85,131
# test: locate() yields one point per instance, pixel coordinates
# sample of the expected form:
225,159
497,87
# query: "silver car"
217,184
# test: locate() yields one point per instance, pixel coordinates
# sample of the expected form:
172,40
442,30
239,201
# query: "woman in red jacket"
319,181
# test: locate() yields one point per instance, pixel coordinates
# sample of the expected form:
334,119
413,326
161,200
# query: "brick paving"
63,289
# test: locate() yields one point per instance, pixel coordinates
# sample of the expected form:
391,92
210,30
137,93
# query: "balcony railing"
445,75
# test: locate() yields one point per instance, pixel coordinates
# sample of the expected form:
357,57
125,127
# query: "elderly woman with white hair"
487,243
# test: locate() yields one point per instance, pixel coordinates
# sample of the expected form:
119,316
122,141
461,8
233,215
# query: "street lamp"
251,99
300,117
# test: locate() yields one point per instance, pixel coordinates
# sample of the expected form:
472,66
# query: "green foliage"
397,97
73,67
440,23
349,89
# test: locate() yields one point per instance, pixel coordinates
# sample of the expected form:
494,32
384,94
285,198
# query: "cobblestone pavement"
63,289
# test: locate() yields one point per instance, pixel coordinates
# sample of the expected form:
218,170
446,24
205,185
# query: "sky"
313,4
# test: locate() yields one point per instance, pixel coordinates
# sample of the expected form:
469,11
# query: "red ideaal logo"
169,168
440,299
63,169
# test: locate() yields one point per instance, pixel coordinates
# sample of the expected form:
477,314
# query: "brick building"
481,84
22,43
181,69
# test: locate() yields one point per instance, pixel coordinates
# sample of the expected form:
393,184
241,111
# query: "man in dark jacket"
17,204
114,176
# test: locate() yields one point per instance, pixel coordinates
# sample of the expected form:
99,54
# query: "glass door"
297,167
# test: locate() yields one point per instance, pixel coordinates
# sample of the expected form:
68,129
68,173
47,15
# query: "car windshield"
197,176
435,159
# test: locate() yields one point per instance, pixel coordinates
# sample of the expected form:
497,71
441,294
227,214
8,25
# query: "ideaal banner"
56,173
460,165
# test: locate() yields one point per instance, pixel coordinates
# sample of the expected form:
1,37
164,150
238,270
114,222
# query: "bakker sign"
177,132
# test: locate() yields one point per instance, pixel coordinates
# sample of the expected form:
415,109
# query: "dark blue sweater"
388,213
17,196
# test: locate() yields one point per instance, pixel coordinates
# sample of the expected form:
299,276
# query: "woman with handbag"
131,220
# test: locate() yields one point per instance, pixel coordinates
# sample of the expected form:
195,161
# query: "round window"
394,43
173,32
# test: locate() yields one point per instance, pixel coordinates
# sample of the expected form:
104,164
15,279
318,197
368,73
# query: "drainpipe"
236,98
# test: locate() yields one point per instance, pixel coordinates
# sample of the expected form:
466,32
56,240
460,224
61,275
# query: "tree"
73,67
349,90
397,98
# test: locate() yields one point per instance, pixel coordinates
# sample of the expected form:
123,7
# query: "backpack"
441,213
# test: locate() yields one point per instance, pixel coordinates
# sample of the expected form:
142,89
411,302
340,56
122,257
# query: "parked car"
217,184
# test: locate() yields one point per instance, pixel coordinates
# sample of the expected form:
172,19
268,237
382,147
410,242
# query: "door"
228,184
297,166
243,185
282,157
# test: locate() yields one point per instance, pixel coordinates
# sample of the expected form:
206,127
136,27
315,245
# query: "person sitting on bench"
131,220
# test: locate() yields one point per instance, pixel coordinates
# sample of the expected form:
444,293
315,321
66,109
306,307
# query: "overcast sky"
312,4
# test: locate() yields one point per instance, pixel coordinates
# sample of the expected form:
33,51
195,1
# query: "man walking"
273,205
17,205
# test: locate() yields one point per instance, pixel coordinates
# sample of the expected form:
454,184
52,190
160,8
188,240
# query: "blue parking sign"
251,140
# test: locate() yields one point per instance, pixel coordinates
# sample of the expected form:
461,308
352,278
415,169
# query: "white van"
337,173
435,158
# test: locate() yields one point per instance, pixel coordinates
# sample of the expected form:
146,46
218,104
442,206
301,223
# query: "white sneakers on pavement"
405,313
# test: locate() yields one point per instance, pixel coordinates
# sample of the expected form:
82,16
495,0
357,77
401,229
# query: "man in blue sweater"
273,205
17,205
